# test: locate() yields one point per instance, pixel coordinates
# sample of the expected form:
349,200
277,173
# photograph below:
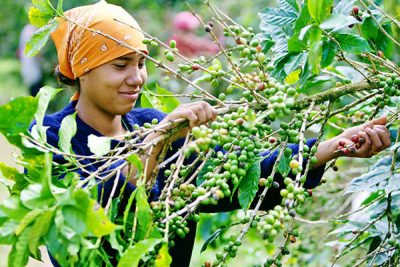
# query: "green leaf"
304,18
352,43
371,181
36,196
27,220
338,21
145,101
39,228
99,145
10,172
38,18
136,161
315,53
132,255
40,38
66,132
163,259
20,252
289,5
169,102
45,95
277,16
211,238
328,53
144,214
296,45
96,220
249,185
59,7
127,210
369,29
293,77
7,232
319,9
75,218
13,208
284,166
343,7
44,6
15,118
296,62
200,177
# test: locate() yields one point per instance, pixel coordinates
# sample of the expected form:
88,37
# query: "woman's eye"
120,66
141,65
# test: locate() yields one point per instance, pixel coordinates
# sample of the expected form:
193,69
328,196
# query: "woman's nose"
134,77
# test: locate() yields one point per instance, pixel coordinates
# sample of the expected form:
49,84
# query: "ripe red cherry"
195,67
355,10
309,191
272,140
342,143
355,139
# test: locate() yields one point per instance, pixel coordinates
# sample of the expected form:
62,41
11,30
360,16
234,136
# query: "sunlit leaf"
97,221
99,145
163,258
45,95
293,77
132,255
15,118
66,132
319,9
35,196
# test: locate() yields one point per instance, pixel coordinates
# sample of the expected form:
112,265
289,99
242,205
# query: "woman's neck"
106,124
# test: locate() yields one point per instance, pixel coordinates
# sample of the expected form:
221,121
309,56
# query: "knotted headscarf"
80,50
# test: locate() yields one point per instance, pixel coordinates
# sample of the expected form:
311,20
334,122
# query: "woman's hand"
196,113
365,140
372,137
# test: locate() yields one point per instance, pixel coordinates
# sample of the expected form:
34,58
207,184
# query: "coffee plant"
313,68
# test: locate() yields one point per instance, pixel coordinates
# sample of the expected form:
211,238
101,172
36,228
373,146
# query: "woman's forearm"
326,152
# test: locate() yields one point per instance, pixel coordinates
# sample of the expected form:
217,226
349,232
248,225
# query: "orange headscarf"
80,50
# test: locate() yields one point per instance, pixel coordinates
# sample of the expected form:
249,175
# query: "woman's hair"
64,80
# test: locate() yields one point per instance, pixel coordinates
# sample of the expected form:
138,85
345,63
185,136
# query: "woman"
109,78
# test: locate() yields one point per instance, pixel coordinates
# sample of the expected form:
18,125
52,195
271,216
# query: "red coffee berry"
355,10
345,150
272,140
261,86
342,143
309,191
340,147
195,67
355,138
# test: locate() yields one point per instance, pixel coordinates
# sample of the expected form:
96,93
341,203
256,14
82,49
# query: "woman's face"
114,87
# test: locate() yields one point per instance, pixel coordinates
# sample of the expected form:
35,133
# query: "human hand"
364,141
197,113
